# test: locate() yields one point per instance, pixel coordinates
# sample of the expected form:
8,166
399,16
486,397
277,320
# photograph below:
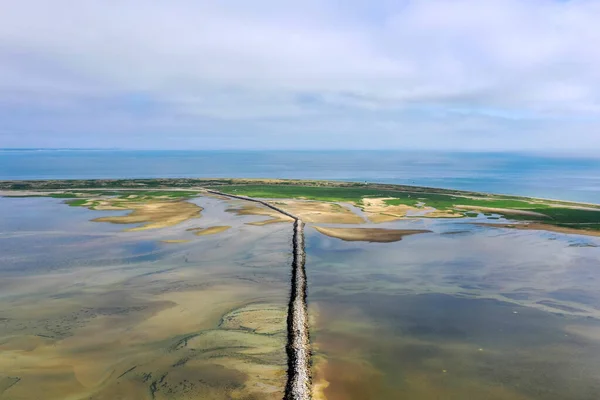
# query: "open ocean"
558,177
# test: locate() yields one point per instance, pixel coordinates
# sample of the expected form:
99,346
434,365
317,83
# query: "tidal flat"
96,310
461,312
181,294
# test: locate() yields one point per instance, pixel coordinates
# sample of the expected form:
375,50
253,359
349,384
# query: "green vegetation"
121,198
112,184
356,194
62,195
446,202
323,193
77,203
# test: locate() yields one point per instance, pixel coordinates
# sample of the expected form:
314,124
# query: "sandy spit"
369,234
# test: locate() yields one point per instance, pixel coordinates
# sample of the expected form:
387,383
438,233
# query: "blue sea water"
550,176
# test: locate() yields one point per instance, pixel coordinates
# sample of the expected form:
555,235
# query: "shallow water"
90,311
463,312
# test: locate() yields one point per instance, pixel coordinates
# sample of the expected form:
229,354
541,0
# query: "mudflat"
94,312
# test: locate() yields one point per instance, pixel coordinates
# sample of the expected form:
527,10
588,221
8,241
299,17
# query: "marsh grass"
551,210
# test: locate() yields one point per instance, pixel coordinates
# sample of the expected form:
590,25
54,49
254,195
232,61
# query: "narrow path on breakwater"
298,385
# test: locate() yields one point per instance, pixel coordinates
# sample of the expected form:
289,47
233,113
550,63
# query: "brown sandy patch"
369,234
253,209
175,241
507,211
211,230
152,214
538,226
151,350
255,335
320,382
257,318
269,221
319,211
378,211
435,213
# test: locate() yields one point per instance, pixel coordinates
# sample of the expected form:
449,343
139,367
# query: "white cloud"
328,67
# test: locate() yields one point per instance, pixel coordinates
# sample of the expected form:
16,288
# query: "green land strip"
551,212
554,212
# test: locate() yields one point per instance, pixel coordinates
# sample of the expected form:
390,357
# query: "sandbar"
152,214
252,209
211,230
378,235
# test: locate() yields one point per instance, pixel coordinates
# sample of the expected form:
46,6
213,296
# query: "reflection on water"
89,311
463,312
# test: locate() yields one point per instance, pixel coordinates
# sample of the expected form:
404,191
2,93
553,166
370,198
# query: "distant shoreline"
49,185
381,202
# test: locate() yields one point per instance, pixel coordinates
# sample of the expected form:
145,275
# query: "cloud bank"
439,74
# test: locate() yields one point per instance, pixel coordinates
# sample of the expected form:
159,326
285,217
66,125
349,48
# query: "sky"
489,75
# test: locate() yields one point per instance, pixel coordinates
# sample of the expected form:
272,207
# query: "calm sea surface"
568,178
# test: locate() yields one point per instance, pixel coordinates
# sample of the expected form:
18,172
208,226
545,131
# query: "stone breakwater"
298,385
298,347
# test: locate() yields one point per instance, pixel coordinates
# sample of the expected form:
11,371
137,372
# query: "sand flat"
126,330
319,211
442,214
211,230
378,235
255,209
152,214
378,210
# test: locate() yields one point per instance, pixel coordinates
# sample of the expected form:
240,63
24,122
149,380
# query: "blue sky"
312,74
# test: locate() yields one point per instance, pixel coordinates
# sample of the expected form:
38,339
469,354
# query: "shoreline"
317,201
201,184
